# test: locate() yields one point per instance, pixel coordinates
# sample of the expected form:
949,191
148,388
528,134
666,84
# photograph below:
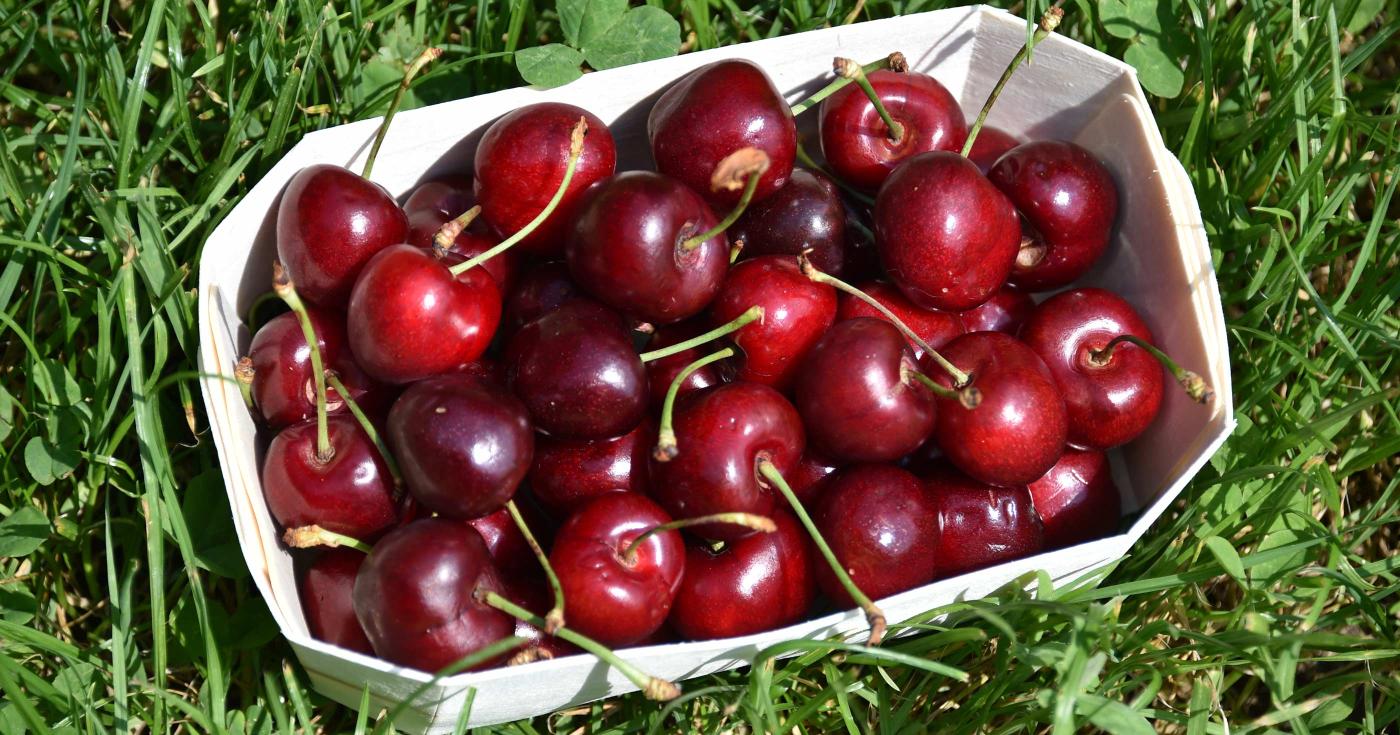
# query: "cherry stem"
423,59
742,168
306,537
1048,23
666,438
286,290
806,159
447,234
554,619
735,250
754,313
970,397
243,374
575,151
895,61
1195,386
847,69
960,378
651,686
367,426
873,614
758,523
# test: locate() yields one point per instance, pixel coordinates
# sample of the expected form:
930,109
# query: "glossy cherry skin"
990,145
882,524
796,312
721,433
760,582
806,213
663,371
446,196
351,494
411,319
946,236
808,478
330,222
856,141
980,525
713,112
568,474
509,550
471,242
856,396
284,386
614,599
577,373
520,163
416,595
627,248
537,292
1069,202
1004,312
934,326
326,590
1110,400
463,444
1077,499
1018,430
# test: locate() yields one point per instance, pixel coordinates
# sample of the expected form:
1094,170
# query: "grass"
1264,601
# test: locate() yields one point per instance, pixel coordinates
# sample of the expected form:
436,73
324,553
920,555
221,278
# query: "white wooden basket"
1159,260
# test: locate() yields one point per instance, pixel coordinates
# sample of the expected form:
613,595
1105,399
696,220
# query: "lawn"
1265,600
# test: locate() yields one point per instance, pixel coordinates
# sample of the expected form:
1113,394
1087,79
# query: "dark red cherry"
721,433
538,291
410,318
446,196
1005,312
520,163
1111,398
713,112
284,386
531,592
796,312
862,257
934,326
757,583
991,143
351,493
568,473
509,550
1069,203
612,597
463,444
807,479
469,243
981,525
577,372
882,524
859,146
857,397
806,213
946,236
330,222
326,590
630,248
1018,430
416,595
1077,500
661,372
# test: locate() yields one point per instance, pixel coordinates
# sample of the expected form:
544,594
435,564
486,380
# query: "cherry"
981,525
989,146
857,397
663,371
935,327
1069,203
347,489
465,239
463,444
1017,430
618,593
796,312
416,595
808,478
862,257
756,583
326,586
1077,500
537,292
882,525
713,112
577,373
530,592
946,236
568,474
519,164
805,214
509,548
1004,312
284,389
445,196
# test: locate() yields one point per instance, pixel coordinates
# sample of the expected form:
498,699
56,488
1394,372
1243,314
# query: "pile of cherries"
564,407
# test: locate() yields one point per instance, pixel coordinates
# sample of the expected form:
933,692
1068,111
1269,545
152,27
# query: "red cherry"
1077,500
472,241
661,372
568,474
990,144
808,478
1005,312
796,311
531,592
284,386
981,525
934,326
349,493
805,214
446,196
509,550
326,586
858,144
882,524
537,292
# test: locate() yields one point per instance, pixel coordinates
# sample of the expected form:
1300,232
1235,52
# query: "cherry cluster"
592,409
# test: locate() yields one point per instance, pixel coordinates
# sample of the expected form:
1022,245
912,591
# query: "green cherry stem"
1048,23
754,313
554,619
970,397
447,234
286,290
1195,386
306,537
243,374
740,169
367,426
666,439
848,69
895,61
423,60
750,521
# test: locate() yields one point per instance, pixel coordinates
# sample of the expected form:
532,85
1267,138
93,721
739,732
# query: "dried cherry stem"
1047,25
447,234
366,426
554,619
970,397
895,61
873,614
286,290
1195,386
651,686
739,170
666,438
847,69
759,523
428,55
575,151
754,313
243,374
306,537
